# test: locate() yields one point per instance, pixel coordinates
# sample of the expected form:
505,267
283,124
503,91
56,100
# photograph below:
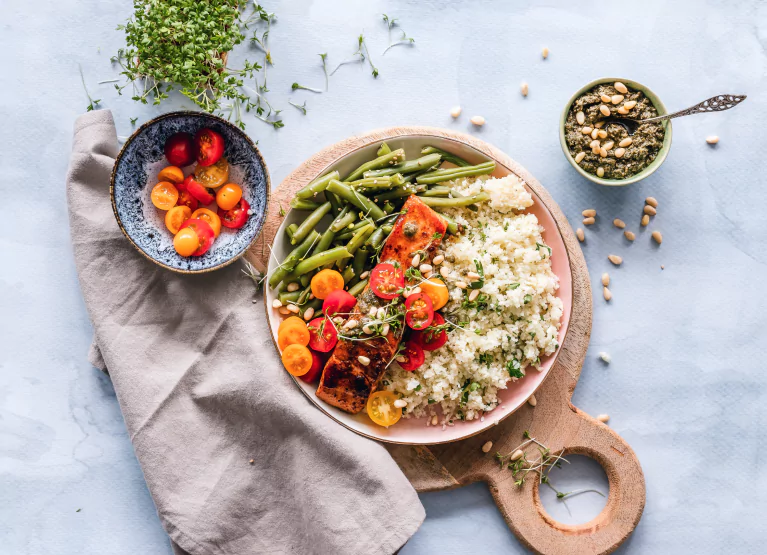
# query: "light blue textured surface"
686,387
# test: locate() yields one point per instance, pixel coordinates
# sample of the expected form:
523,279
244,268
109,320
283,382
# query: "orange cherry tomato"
176,216
381,409
164,195
293,334
172,174
436,289
185,242
212,176
204,234
291,321
211,217
325,282
297,359
228,196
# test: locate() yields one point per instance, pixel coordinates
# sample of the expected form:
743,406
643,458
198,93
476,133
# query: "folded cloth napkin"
237,460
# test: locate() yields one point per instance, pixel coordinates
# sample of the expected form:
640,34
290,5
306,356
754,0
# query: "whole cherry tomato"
210,146
179,149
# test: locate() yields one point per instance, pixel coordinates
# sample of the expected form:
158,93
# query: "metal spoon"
714,104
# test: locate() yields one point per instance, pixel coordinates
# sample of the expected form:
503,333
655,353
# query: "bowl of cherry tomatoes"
190,191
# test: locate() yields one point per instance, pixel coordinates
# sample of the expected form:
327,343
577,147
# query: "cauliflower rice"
513,323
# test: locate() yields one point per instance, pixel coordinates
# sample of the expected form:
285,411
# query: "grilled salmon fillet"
345,382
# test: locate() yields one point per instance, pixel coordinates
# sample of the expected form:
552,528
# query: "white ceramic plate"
414,430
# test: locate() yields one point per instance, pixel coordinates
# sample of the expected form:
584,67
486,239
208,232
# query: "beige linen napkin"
203,393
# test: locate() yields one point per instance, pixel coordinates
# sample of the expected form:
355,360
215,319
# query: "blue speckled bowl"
134,174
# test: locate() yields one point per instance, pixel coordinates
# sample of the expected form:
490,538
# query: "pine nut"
308,313
311,296
605,357
351,324
605,279
602,134
626,142
473,276
367,329
423,268
589,213
363,360
488,445
581,236
338,320
455,111
380,313
594,143
712,140
416,261
620,224
595,150
595,133
630,104
608,145
460,285
293,308
364,274
652,201
645,220
588,221
292,287
524,89
434,419
620,87
600,171
400,403
284,311
622,110
580,117
439,259
603,417
619,152
444,272
372,312
615,259
532,401
617,98
385,329
603,152
276,303
415,290
579,157
657,236
545,52
629,235
587,130
473,295
606,294
650,210
606,98
599,124
479,121
604,109
516,455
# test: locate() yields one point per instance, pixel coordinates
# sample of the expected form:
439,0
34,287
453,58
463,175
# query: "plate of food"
417,290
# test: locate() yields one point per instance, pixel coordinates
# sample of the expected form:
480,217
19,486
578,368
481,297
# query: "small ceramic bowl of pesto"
603,152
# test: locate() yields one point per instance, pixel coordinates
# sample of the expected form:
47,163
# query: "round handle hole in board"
583,473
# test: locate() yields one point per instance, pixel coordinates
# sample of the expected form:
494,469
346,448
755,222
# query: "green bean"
311,221
360,257
452,226
398,192
384,149
316,186
387,229
449,174
290,230
334,201
358,200
396,179
304,279
409,178
437,202
376,238
372,183
303,298
342,222
410,166
292,260
286,297
388,207
358,287
383,161
348,273
360,237
300,204
441,191
446,156
319,259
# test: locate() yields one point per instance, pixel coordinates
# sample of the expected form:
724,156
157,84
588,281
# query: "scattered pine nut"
487,446
589,213
284,311
620,87
615,259
712,140
524,89
439,259
629,235
532,401
579,157
588,221
595,144
650,210
595,133
626,142
434,419
364,274
605,357
609,145
460,285
308,313
581,236
516,455
604,109
580,117
363,360
444,272
545,52
645,220
605,98
630,104
472,276
657,236
400,403
587,130
617,98
473,295
603,152
455,111
619,152
651,201
662,267
605,279
292,287
620,224
599,124
602,134
622,110
606,294
600,171
252,461
416,261
351,324
603,417
276,303
293,308
479,121
423,268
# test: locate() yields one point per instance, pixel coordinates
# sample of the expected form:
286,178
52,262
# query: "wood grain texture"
554,421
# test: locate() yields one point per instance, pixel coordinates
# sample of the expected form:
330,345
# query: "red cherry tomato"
318,363
323,335
204,234
338,301
419,311
236,217
186,199
199,191
179,149
210,146
413,355
386,281
429,339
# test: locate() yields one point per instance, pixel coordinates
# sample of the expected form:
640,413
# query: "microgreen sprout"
404,39
364,45
93,103
257,277
133,121
296,86
301,107
325,68
357,57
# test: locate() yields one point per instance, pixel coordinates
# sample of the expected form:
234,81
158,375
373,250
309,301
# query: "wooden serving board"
554,420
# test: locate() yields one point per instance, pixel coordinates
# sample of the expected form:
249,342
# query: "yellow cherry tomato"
228,196
186,242
436,289
212,176
297,359
177,216
293,333
172,174
164,195
381,409
325,282
210,217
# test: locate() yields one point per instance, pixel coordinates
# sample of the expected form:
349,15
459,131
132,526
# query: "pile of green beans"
363,207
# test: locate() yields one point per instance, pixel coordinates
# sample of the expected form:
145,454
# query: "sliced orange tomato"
209,216
214,175
228,196
381,409
164,195
325,282
293,333
176,216
173,174
186,242
297,359
291,321
436,289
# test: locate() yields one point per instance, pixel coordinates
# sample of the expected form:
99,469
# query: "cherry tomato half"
186,199
214,175
164,195
325,282
199,191
228,196
419,311
338,302
381,409
236,217
186,242
413,355
173,174
175,217
297,359
323,335
210,146
204,233
209,216
386,281
429,339
179,149
318,363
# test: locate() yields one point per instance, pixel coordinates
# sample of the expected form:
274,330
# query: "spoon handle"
714,104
